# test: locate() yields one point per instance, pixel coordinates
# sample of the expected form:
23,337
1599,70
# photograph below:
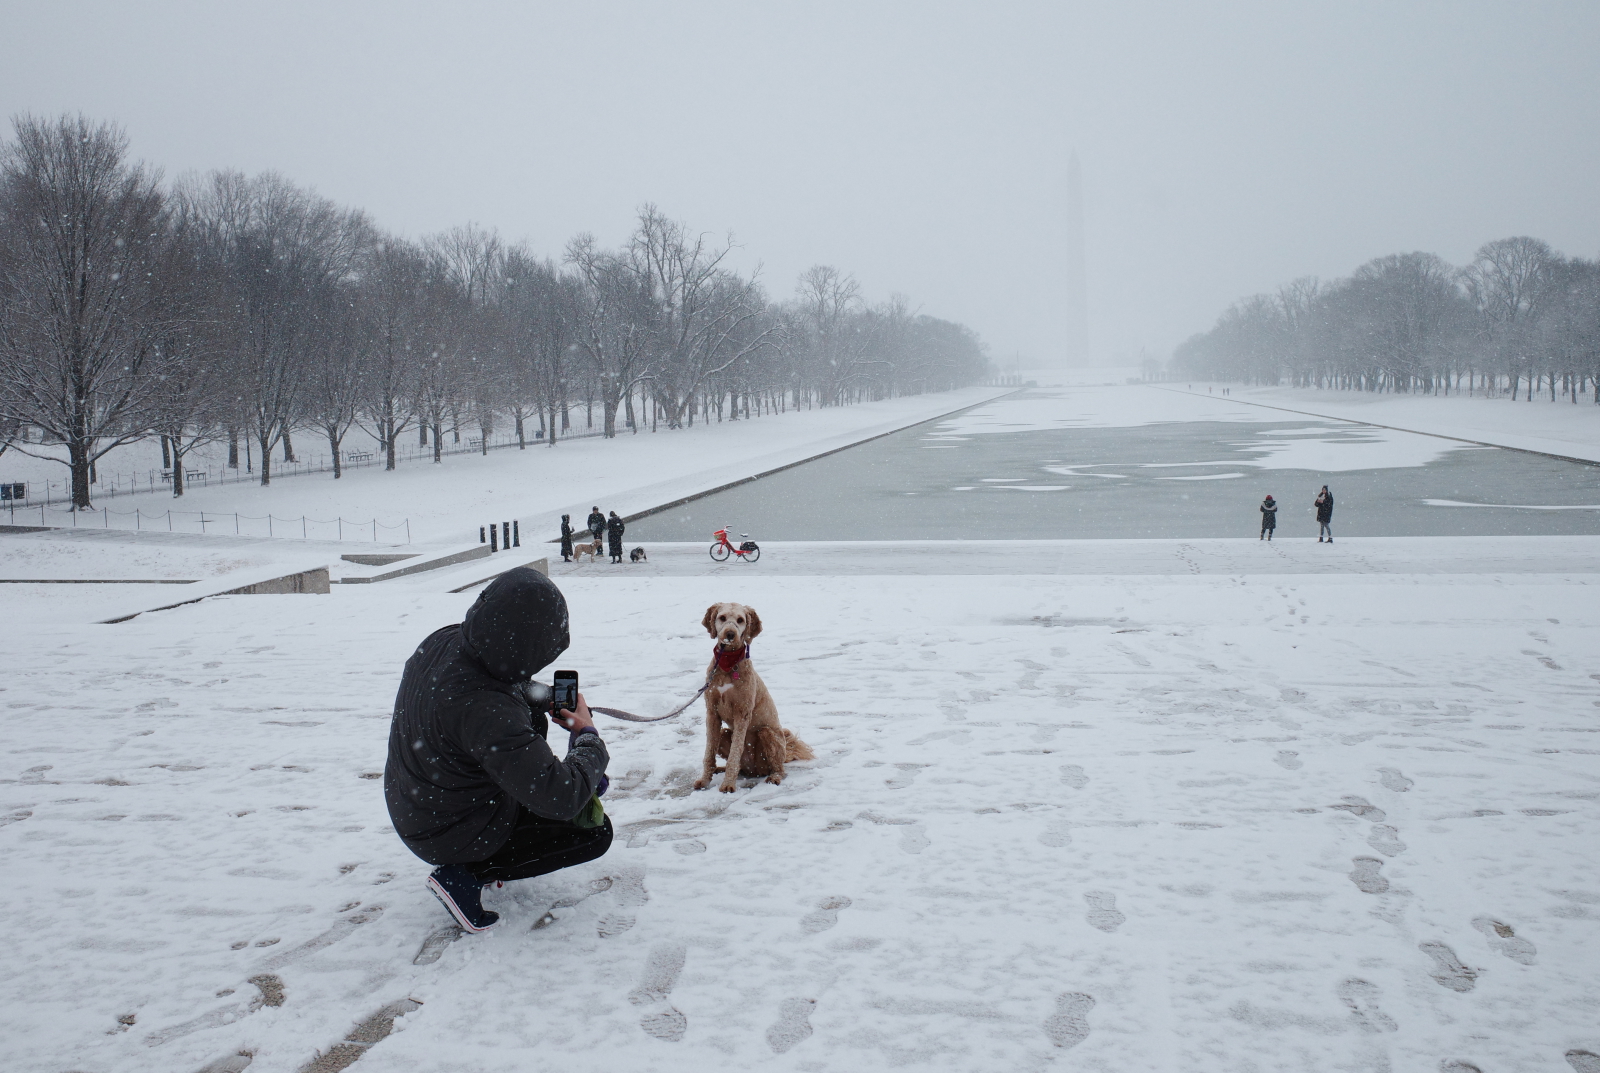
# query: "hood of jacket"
517,626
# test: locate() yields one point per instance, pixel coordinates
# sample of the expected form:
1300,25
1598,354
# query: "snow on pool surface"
1210,823
1135,440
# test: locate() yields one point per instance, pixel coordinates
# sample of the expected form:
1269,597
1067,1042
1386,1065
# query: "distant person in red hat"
1269,518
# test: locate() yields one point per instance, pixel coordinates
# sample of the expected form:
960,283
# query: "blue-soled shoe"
459,891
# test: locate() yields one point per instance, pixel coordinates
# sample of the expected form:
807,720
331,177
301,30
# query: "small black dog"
637,555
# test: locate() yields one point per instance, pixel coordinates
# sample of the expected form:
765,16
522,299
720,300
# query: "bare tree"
335,357
195,377
1507,281
279,249
393,294
616,322
702,311
82,236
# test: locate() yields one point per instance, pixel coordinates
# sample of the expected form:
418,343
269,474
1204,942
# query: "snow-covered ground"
449,501
1201,805
1223,822
1558,428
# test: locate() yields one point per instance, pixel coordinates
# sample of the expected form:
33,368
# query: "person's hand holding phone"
574,721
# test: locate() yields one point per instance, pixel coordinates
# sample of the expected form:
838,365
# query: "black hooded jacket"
597,524
465,748
1324,505
1269,515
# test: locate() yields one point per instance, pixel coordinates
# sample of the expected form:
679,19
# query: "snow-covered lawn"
449,501
1559,428
1218,823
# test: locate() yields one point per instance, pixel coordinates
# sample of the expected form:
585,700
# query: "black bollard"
505,535
516,534
482,538
494,544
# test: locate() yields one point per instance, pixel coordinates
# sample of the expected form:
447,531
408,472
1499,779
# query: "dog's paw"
728,787
701,784
775,778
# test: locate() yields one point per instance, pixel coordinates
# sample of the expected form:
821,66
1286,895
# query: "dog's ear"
711,613
754,627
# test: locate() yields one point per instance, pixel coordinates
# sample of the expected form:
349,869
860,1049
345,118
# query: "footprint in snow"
1073,776
1103,911
1448,971
628,887
1362,998
1366,875
1386,840
1504,938
1360,806
689,848
793,1024
913,840
1057,835
826,914
661,969
374,1029
433,946
1069,1025
908,775
339,931
269,993
1583,1061
567,901
229,1063
1289,759
1457,1065
1393,780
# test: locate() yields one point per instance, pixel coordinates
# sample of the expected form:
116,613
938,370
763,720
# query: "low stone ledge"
476,551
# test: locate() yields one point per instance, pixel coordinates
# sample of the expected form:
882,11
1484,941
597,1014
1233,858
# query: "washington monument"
1076,349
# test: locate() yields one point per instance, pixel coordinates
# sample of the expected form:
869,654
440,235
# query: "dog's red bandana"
727,659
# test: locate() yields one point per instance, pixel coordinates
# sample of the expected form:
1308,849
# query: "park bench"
358,456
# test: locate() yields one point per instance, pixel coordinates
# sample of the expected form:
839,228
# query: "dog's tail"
795,749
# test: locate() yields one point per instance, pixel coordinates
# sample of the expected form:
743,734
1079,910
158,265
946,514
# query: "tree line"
249,310
1520,321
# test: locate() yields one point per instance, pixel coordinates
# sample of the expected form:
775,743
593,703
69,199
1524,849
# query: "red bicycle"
722,547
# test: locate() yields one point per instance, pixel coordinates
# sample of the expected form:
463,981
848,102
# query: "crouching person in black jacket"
471,784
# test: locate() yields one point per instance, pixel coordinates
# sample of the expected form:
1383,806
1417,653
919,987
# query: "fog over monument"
1075,324
923,148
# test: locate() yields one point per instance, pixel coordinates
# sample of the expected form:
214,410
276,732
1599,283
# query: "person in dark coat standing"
471,783
566,538
1269,518
1324,505
597,523
615,529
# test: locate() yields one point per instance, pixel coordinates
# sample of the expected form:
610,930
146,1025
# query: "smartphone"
564,692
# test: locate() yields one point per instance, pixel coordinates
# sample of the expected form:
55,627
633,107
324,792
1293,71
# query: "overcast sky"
921,146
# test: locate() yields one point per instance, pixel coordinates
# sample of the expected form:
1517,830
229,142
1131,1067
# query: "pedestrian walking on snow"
615,529
566,538
1269,518
597,523
1324,505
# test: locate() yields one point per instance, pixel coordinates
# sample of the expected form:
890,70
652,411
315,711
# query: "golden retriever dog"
741,720
586,548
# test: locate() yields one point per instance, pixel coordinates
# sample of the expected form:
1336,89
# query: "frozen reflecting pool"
1140,463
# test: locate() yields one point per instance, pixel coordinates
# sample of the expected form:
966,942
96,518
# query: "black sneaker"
459,891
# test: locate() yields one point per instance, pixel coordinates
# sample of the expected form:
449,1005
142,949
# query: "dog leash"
618,713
